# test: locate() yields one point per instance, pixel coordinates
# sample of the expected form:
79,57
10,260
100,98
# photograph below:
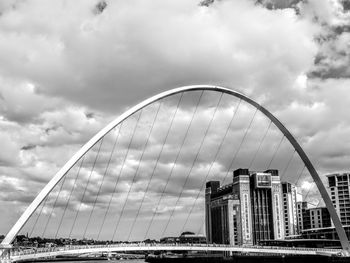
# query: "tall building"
266,206
243,217
290,212
339,187
220,214
247,211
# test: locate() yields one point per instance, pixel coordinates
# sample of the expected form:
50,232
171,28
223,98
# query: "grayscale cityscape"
187,131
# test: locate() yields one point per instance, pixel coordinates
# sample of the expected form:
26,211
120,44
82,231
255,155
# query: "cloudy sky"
67,68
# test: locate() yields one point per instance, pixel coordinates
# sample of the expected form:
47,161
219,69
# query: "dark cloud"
100,7
28,147
346,5
90,115
278,4
333,58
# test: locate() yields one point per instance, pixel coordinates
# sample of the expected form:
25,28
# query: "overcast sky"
67,68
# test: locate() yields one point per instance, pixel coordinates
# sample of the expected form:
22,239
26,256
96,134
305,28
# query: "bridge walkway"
30,254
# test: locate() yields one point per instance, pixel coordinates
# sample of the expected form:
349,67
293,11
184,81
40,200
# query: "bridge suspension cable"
288,164
53,207
124,159
61,179
103,179
70,195
260,144
115,185
201,189
239,146
37,218
193,163
86,186
174,163
275,152
300,173
137,169
154,168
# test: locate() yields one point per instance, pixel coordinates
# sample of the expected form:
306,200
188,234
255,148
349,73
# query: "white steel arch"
76,157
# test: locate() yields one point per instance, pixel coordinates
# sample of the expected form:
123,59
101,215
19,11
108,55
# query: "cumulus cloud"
97,55
333,57
68,68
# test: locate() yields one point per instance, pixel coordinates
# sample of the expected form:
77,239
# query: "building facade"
316,218
247,211
329,233
301,207
243,213
290,211
267,206
339,188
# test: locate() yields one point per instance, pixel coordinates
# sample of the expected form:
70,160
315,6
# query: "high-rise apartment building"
339,188
247,211
290,212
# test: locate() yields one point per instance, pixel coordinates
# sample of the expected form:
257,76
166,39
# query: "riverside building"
290,211
301,207
246,211
339,188
316,218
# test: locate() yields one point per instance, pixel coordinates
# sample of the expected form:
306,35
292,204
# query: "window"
331,181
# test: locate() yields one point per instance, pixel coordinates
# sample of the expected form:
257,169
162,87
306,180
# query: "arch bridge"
151,248
62,209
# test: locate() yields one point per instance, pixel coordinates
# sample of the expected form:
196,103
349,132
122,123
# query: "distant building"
339,188
301,207
185,237
316,218
247,211
324,233
290,212
192,238
169,240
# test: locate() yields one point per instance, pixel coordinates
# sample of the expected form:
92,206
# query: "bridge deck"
76,250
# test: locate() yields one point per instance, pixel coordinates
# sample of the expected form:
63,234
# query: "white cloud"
66,70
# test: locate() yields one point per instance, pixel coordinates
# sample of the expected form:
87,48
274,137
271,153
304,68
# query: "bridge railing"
150,245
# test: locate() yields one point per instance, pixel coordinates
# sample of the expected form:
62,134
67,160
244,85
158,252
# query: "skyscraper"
339,186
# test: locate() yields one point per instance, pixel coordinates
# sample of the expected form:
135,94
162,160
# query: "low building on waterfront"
184,238
324,233
316,218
